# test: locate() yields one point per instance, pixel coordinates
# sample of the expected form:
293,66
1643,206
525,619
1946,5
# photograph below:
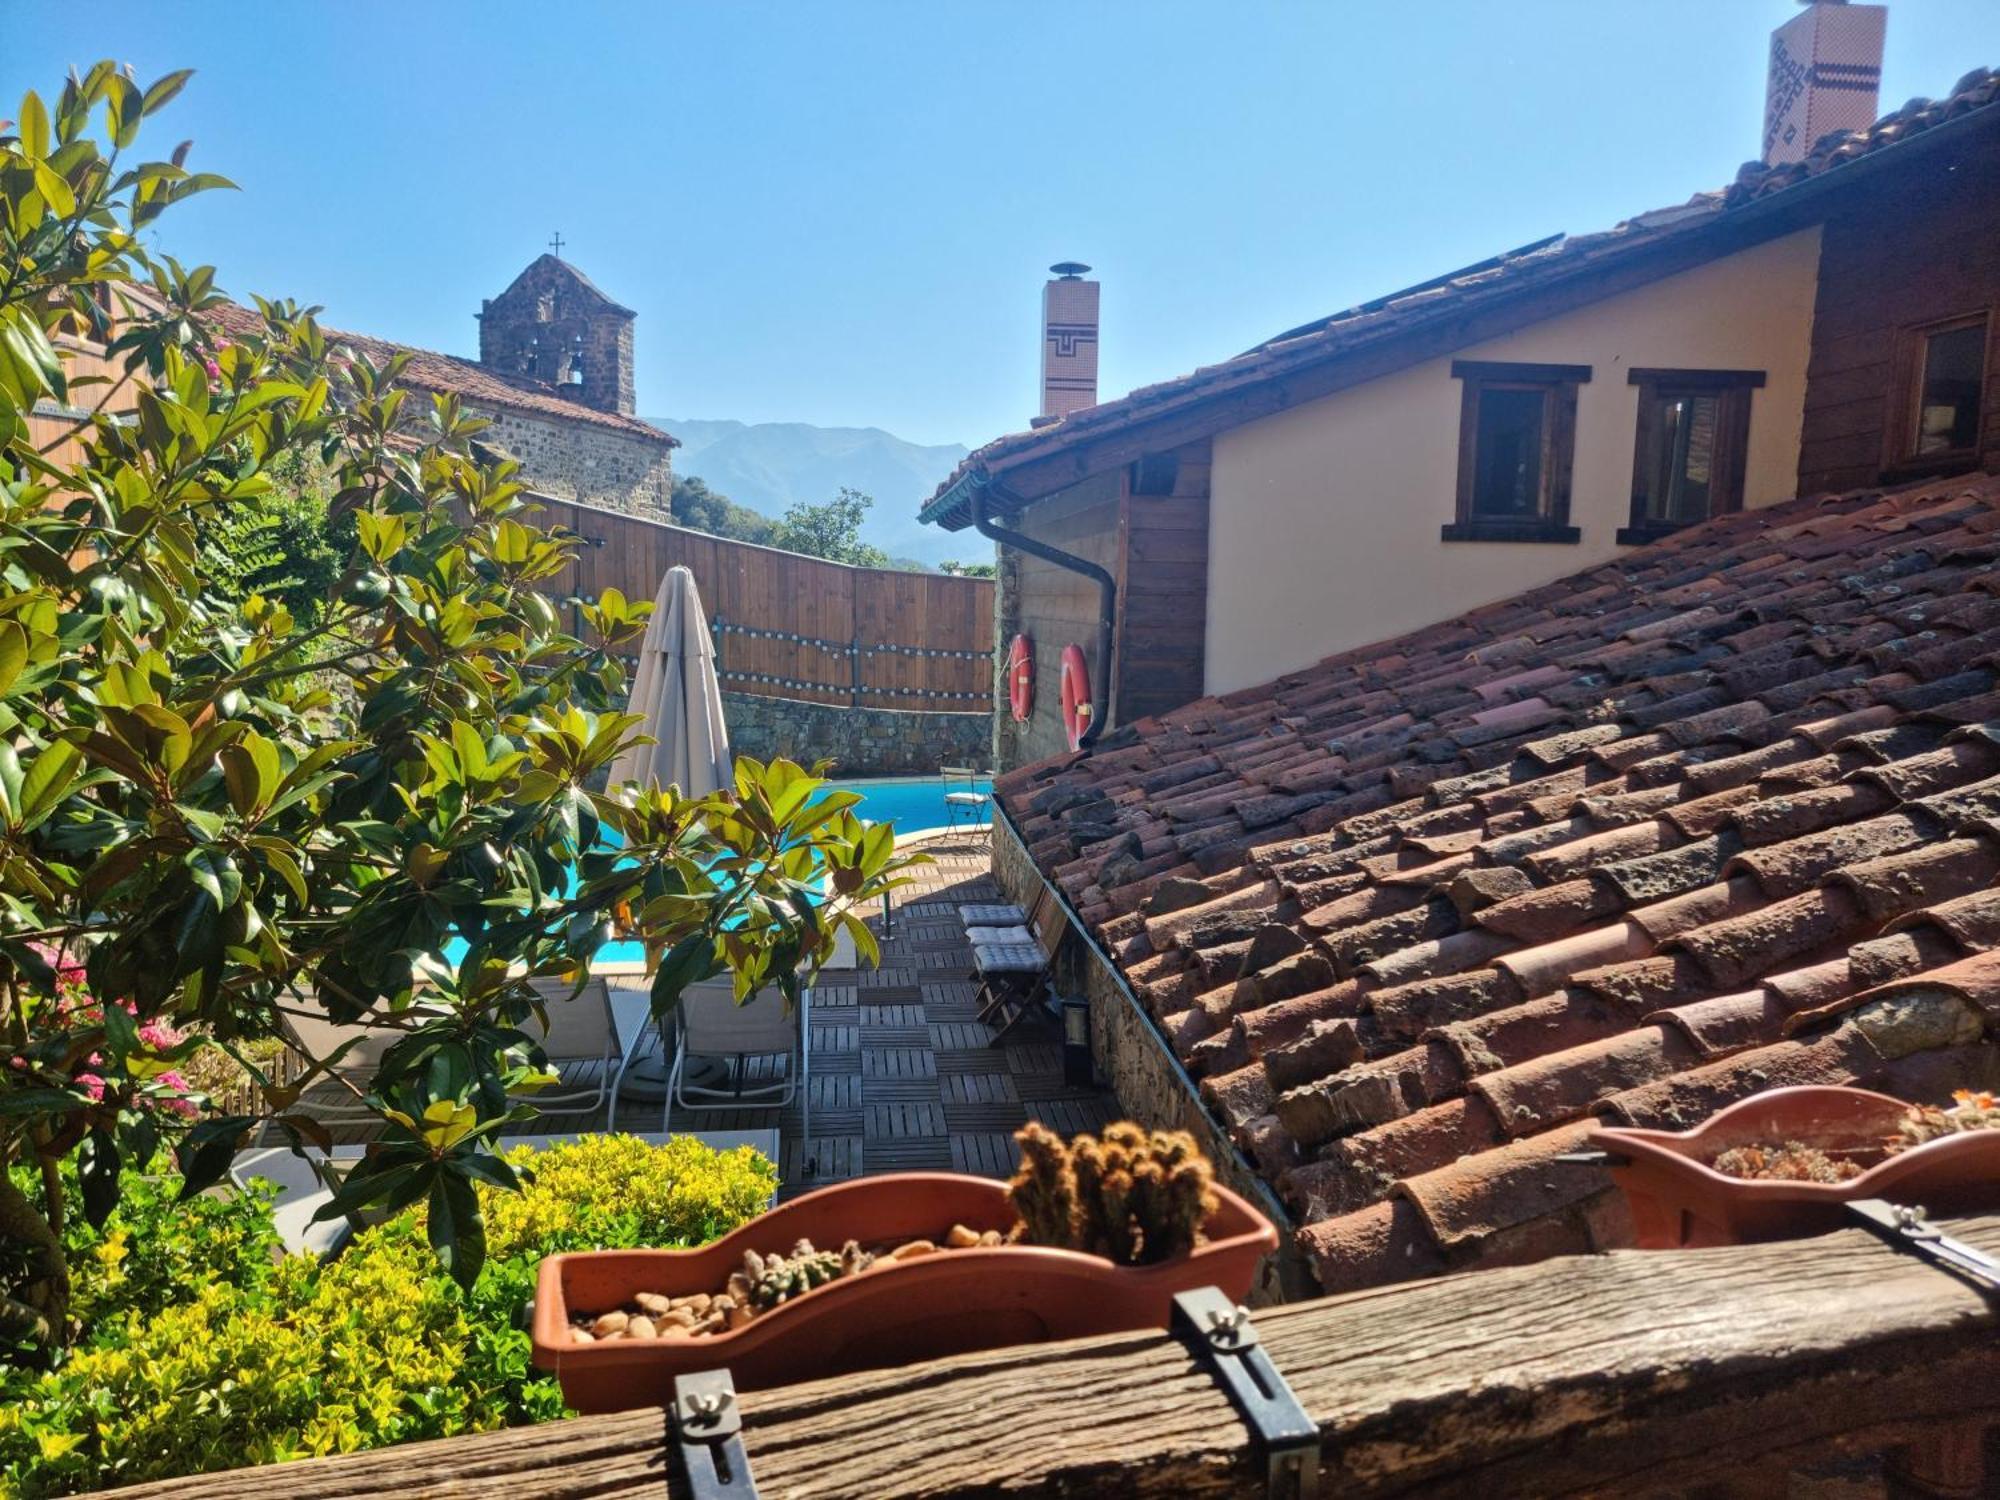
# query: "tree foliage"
213,814
284,544
831,530
699,508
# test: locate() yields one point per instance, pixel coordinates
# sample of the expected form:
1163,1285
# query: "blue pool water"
911,803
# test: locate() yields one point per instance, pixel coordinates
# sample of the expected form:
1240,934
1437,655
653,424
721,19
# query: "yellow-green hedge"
184,1370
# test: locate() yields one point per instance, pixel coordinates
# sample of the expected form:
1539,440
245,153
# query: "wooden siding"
1163,592
50,426
1053,606
1920,248
1156,547
861,625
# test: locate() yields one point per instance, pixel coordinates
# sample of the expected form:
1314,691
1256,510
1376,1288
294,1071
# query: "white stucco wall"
1323,520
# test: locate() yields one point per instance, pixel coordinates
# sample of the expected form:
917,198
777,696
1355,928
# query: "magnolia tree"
210,816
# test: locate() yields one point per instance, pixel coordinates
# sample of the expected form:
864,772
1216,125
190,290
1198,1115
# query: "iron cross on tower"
556,243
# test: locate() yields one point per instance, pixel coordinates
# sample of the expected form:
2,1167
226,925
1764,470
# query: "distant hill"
769,465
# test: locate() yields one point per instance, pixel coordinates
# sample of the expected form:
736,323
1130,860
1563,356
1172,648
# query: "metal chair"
708,1023
964,803
595,1027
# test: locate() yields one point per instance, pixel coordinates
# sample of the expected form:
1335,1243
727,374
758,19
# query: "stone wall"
1134,1061
548,317
584,462
860,741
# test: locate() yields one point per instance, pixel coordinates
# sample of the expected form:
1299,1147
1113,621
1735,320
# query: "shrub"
210,800
201,1353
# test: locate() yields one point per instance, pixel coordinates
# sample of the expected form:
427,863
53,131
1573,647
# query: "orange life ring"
1021,679
1075,694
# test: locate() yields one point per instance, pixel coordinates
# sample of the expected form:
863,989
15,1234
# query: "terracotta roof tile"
1546,1090
1686,1099
1637,916
478,384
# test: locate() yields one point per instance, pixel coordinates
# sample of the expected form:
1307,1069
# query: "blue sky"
841,212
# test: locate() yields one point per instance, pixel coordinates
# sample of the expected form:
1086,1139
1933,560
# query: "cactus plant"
1131,1196
1043,1191
767,1280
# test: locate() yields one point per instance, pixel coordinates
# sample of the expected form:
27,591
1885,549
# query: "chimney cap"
1069,270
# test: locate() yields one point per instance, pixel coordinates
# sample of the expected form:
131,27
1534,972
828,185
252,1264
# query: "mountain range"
770,465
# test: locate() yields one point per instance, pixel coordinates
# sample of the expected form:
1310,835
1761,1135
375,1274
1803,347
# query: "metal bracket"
1908,1229
1284,1438
706,1427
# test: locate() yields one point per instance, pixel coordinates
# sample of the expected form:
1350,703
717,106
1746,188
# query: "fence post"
854,661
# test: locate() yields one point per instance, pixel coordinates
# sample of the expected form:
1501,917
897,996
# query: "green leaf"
457,1228
690,961
205,1152
97,1173
121,1032
250,772
123,105
287,869
48,780
165,88
34,126
56,192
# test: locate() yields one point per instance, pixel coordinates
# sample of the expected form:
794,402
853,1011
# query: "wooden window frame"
1900,459
1558,383
1732,389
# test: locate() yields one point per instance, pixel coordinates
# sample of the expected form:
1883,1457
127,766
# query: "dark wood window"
1516,445
1947,377
1691,448
1154,474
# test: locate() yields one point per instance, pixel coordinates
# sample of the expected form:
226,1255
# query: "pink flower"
92,1085
159,1036
214,369
187,1109
18,1063
171,1079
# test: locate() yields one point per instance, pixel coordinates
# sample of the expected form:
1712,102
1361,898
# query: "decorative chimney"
1826,73
1069,342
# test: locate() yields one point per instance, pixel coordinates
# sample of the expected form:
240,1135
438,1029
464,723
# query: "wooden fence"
1719,1373
788,626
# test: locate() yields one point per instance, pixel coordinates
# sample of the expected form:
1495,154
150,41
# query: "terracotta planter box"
949,1302
1680,1202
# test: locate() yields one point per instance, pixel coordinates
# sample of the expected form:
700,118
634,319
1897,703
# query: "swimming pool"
911,803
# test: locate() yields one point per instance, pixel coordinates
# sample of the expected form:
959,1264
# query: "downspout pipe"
1107,598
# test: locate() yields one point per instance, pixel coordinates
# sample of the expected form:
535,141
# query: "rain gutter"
1107,593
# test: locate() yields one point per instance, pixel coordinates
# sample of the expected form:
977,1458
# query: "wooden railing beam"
1628,1374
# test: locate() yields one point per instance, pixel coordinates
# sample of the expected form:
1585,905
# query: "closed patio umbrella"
678,697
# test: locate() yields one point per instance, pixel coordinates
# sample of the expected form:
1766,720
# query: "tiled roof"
477,384
1974,91
1542,265
1627,847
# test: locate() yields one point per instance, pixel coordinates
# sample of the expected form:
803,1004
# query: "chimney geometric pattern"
1826,76
1069,346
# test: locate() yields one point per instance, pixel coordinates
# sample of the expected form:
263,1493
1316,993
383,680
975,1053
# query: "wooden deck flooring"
903,1075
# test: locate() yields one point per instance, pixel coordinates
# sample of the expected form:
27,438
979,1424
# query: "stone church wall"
596,465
